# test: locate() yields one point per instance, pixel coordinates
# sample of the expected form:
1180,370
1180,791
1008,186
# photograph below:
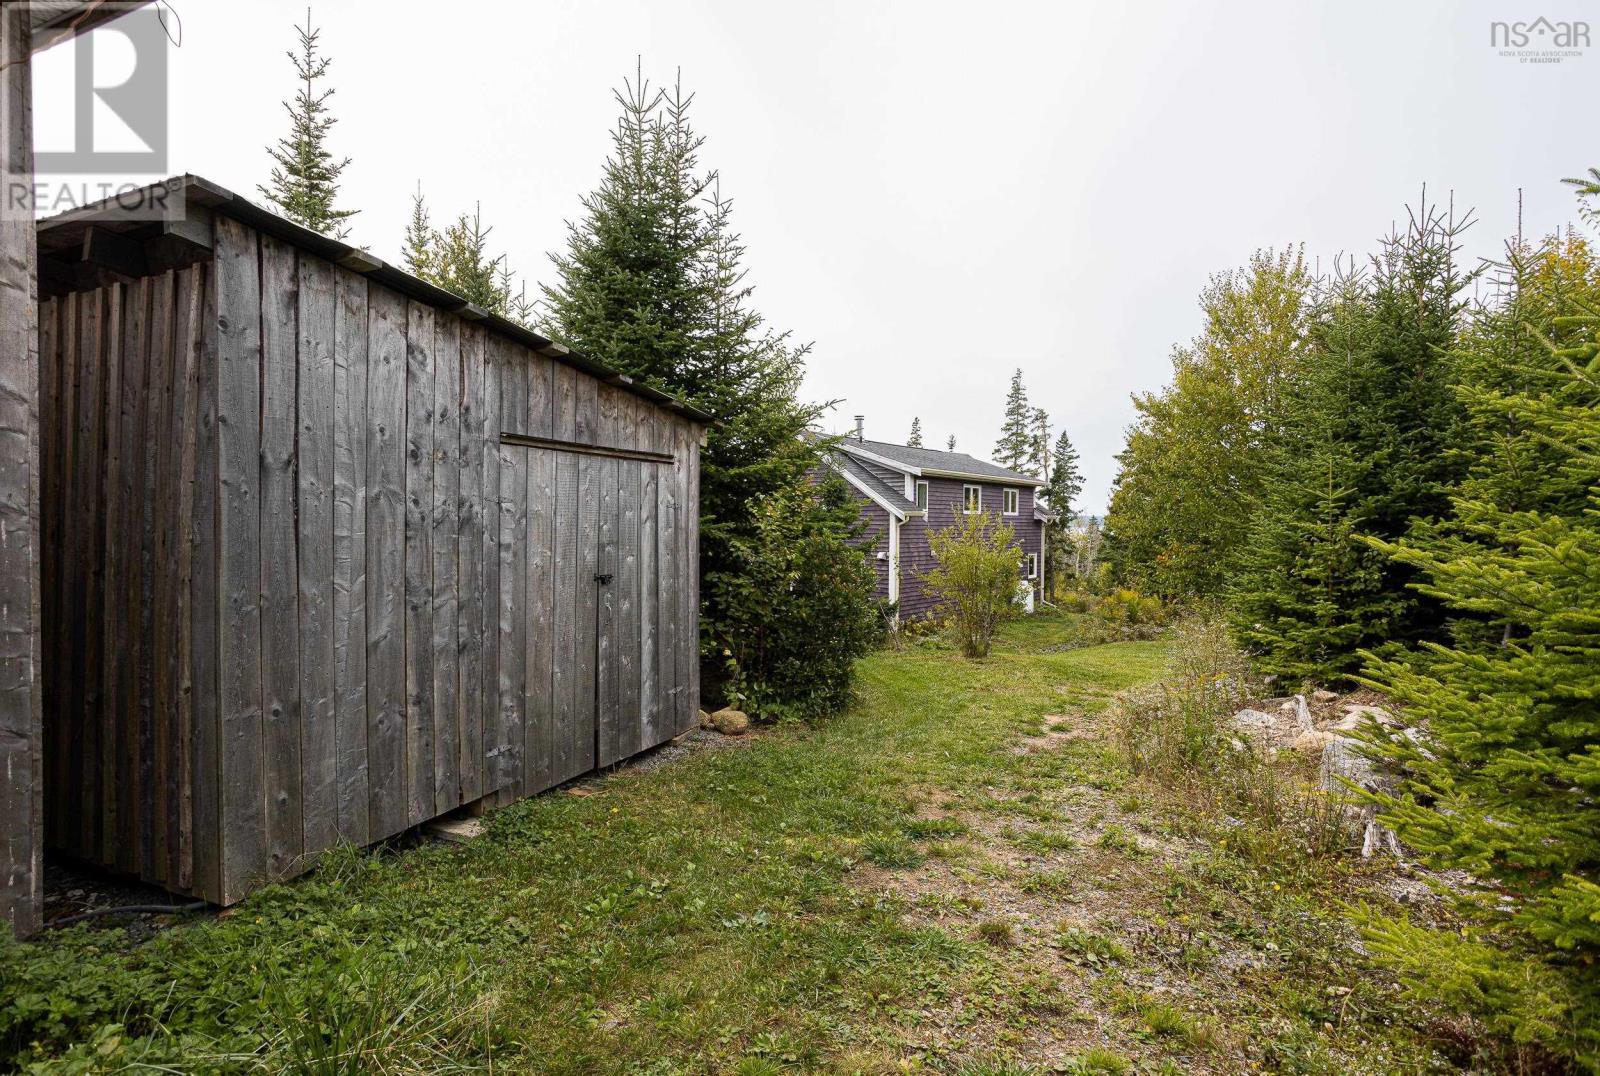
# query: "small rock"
1253,719
1377,713
1342,758
1313,742
731,722
1324,695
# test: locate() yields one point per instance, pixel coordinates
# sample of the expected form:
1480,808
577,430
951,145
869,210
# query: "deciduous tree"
977,567
1192,466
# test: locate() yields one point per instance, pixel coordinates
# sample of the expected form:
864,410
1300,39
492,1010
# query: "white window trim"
966,502
1033,565
919,495
1013,498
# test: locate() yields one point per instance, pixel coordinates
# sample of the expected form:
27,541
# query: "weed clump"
1177,736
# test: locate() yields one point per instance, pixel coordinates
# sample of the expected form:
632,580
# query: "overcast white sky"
934,193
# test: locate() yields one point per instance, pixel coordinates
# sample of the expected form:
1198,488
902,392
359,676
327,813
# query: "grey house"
908,493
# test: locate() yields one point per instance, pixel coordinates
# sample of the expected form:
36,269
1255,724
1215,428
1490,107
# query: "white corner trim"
894,559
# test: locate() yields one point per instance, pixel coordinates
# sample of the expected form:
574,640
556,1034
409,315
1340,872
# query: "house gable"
899,529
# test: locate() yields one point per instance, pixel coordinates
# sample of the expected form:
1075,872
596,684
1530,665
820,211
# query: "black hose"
129,909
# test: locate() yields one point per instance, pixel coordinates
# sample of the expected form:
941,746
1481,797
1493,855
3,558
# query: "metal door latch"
603,578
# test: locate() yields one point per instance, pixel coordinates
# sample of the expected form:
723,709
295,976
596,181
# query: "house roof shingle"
854,468
918,460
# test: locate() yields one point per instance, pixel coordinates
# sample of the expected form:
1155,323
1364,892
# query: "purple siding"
945,499
878,537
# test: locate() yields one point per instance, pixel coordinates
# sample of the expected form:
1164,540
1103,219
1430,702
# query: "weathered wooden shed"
26,26
329,552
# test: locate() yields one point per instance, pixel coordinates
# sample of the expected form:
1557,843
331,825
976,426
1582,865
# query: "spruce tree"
465,266
652,283
458,260
1066,480
1307,594
418,250
914,438
305,175
1014,449
1588,190
1362,444
1503,780
1041,444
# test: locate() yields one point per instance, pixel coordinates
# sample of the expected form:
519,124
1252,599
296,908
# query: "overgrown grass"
1176,735
741,911
695,914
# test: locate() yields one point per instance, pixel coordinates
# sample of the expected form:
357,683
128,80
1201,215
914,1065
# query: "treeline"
1391,475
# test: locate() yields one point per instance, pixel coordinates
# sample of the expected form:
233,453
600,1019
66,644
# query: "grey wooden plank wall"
326,595
21,738
129,468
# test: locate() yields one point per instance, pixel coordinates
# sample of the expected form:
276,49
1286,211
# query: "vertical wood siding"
321,600
25,387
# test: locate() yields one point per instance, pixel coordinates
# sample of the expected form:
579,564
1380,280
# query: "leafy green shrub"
977,566
799,611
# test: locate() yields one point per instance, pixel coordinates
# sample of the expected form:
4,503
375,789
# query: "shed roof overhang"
53,21
70,234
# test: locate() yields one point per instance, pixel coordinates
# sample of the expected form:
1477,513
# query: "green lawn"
938,880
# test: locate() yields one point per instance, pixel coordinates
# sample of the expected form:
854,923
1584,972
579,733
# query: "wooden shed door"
598,618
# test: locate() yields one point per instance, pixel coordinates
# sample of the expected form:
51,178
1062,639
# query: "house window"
1010,502
922,496
974,498
1031,563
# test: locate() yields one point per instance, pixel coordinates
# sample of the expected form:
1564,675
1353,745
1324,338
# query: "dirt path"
1132,945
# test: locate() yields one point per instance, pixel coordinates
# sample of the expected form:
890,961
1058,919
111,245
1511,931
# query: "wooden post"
21,739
